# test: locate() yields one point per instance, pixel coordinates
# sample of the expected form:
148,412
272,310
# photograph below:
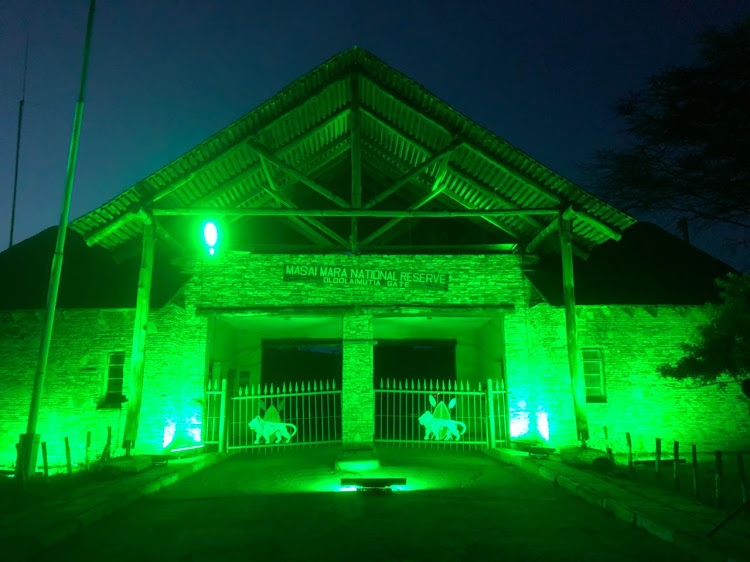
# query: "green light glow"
170,427
542,423
347,489
187,448
210,236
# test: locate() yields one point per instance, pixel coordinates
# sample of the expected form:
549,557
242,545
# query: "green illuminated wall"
529,341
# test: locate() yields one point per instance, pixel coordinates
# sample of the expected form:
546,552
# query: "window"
593,373
114,396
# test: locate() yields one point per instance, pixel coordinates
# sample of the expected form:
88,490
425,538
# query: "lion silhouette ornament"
438,423
270,425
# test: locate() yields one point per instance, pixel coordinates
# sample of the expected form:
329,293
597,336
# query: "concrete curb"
58,532
695,545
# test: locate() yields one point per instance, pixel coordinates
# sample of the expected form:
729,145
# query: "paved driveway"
285,506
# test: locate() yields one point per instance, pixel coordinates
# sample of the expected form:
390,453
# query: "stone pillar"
358,395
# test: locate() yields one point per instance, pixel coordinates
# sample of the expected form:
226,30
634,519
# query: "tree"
723,346
688,137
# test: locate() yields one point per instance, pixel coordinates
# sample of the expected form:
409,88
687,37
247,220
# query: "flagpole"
18,142
30,440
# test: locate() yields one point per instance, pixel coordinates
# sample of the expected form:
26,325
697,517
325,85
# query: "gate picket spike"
327,381
334,384
413,385
430,384
443,386
283,387
381,384
399,385
479,386
265,388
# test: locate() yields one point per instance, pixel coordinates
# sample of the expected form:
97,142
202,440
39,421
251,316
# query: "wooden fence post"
675,473
717,479
88,449
491,417
67,457
222,416
696,489
630,450
743,478
610,454
657,461
107,452
44,459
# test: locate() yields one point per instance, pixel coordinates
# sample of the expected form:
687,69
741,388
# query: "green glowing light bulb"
211,236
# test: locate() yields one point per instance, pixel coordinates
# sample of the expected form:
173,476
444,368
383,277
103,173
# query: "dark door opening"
301,361
407,360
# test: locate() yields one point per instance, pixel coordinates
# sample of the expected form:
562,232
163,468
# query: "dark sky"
165,75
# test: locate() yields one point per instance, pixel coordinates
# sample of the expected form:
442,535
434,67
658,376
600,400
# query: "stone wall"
75,383
528,344
358,395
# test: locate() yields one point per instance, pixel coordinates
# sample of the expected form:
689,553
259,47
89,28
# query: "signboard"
374,277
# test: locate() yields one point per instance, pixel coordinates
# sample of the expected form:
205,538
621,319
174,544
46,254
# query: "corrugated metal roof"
401,126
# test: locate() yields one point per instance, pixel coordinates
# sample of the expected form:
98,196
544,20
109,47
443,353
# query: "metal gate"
290,415
441,413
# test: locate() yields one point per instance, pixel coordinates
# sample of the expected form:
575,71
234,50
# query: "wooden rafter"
308,231
514,173
296,174
486,191
285,149
394,221
519,176
443,155
541,236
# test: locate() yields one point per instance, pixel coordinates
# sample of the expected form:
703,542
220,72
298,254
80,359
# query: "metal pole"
18,143
28,440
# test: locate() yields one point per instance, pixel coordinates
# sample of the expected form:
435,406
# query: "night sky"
166,75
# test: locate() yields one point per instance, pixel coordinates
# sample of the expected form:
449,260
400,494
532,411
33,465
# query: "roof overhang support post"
356,159
577,380
261,150
137,362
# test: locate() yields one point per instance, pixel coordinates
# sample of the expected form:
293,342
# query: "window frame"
113,399
601,393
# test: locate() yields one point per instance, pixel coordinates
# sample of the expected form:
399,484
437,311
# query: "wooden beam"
108,228
379,213
394,221
242,176
513,173
137,363
356,159
599,225
308,231
541,236
577,380
443,154
296,174
454,170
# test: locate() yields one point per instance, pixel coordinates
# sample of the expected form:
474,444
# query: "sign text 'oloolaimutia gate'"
344,275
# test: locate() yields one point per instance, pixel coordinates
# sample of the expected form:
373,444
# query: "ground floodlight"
373,484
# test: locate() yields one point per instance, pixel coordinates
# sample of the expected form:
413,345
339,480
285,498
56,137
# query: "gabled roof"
356,117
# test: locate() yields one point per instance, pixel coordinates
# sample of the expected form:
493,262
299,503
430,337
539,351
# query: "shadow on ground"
285,506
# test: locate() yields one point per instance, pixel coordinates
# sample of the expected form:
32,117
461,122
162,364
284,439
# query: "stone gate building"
358,218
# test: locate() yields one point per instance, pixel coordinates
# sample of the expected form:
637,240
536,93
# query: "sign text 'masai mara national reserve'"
330,275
